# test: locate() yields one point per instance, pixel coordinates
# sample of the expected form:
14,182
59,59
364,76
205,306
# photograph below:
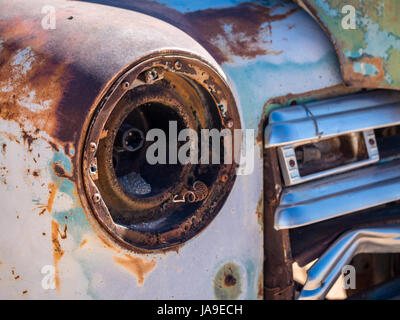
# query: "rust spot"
53,146
16,277
236,31
137,266
64,234
35,173
107,244
42,211
229,280
260,293
52,190
57,251
324,93
69,150
4,147
28,139
359,80
59,171
260,212
84,242
24,292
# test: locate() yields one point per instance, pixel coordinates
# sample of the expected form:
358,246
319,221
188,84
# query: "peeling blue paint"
365,69
378,41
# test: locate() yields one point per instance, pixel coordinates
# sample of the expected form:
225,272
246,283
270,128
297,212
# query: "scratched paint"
377,37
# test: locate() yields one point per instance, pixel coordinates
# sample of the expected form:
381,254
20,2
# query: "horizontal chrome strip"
338,195
324,273
312,121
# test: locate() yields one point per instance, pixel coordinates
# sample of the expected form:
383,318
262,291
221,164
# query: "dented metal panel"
369,51
50,84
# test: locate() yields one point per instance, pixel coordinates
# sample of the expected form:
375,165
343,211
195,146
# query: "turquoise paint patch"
378,41
63,160
75,218
388,78
365,69
77,223
328,10
353,54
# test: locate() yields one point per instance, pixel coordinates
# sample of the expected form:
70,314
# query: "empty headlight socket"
154,207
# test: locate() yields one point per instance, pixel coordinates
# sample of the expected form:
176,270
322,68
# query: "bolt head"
151,75
93,147
126,85
178,65
96,198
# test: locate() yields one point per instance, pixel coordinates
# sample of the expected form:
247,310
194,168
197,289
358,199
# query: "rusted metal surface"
226,32
369,54
278,278
169,223
51,82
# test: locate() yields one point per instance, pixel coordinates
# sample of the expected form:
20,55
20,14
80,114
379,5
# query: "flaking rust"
237,31
136,266
31,83
57,251
369,53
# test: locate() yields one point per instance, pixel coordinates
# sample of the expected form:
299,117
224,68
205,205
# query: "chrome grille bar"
313,121
338,195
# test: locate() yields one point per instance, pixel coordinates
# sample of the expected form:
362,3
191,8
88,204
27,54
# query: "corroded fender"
369,54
